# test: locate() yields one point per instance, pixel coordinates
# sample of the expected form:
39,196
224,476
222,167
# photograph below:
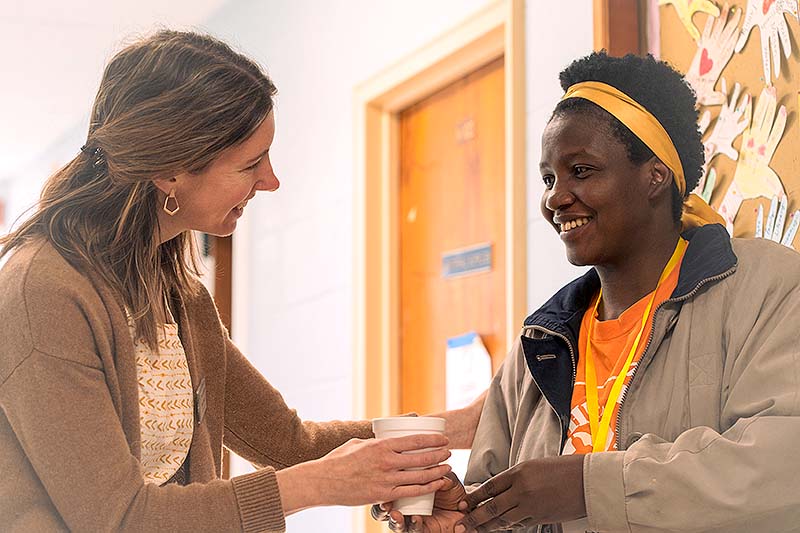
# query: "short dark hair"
658,88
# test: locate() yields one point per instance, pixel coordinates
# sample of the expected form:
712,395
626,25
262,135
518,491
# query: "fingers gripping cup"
401,426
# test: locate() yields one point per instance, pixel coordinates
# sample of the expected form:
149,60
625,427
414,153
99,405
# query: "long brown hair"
168,104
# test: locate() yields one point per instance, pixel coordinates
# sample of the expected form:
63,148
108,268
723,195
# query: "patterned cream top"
166,408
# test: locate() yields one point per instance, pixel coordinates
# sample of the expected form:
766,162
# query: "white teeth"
572,224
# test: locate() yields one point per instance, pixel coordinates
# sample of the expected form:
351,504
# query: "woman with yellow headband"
661,390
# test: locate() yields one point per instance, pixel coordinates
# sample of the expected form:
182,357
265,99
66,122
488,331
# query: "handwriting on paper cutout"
767,4
706,63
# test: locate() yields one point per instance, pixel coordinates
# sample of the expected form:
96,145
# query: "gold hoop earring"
167,210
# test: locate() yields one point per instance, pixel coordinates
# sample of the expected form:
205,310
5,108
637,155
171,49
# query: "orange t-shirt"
611,343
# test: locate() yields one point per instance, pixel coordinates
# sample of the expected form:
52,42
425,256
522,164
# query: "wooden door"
618,26
452,187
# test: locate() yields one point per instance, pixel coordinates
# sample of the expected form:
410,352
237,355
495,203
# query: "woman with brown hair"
118,384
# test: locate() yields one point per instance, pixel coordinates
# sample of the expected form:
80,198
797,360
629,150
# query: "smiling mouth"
572,224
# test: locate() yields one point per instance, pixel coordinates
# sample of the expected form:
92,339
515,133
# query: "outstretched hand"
365,471
445,511
753,176
714,51
769,16
733,120
360,472
686,10
538,491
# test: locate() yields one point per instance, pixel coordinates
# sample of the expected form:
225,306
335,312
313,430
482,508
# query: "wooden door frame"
495,31
222,251
618,28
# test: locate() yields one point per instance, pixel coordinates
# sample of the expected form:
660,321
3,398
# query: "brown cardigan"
69,425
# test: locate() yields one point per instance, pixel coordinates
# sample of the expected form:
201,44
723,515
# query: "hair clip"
96,156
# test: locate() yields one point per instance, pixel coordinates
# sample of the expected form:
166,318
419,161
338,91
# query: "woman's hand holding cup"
402,426
363,471
377,470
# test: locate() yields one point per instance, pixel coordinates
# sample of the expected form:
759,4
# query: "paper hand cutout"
705,187
686,10
773,229
753,176
704,122
714,50
768,15
702,127
733,119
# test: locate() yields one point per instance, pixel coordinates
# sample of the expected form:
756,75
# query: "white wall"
555,35
53,53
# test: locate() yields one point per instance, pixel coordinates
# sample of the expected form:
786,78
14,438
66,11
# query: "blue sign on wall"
465,261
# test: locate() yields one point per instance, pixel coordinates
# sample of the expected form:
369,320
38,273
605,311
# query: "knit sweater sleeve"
260,427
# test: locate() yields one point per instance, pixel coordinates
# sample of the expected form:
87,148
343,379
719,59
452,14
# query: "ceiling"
52,54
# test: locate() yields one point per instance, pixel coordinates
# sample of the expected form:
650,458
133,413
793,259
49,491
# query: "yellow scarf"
696,212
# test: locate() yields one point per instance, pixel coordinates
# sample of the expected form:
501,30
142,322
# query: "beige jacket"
69,423
709,429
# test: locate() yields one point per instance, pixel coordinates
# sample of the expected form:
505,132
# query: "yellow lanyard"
600,426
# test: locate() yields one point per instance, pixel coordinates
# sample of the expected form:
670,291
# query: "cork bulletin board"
745,176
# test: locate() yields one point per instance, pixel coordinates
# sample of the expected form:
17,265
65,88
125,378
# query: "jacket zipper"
574,374
650,339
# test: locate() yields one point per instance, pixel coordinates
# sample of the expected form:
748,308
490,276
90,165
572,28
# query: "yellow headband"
696,212
638,119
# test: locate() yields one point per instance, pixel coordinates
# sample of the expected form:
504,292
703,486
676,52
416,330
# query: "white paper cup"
401,426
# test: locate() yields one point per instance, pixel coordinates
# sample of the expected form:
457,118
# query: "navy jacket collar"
708,255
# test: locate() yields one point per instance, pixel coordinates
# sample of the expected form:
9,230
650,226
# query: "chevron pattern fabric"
166,409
